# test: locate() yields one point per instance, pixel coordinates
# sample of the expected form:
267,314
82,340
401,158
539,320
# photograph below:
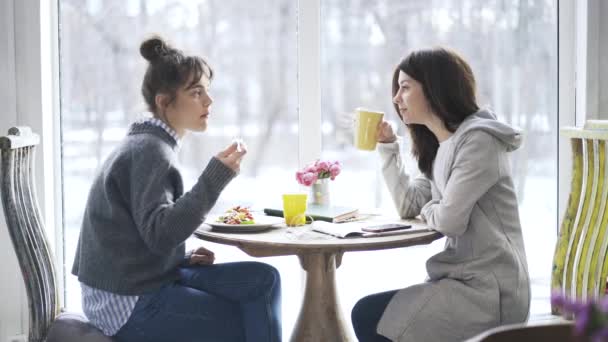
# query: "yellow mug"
366,128
294,209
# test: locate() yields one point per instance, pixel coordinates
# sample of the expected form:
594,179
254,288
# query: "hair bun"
154,48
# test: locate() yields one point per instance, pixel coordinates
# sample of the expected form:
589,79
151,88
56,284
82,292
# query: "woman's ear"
161,101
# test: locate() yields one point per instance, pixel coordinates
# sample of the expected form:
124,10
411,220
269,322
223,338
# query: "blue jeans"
238,301
367,313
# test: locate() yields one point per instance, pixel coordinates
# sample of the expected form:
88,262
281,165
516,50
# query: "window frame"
309,80
35,44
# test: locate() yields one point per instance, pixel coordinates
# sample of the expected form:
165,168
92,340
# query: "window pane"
251,47
511,46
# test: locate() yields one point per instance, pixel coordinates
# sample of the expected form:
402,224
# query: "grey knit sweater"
137,215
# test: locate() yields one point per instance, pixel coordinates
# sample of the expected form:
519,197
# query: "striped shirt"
109,311
163,125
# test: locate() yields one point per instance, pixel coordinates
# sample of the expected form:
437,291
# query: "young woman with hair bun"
138,282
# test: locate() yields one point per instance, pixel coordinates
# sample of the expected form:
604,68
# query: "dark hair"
449,87
169,69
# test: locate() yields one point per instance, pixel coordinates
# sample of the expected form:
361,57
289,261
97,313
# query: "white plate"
261,223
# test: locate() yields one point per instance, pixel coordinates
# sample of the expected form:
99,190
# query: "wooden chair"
580,267
558,332
26,229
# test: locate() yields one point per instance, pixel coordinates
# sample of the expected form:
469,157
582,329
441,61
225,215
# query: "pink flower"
299,175
322,166
311,169
309,178
334,170
318,170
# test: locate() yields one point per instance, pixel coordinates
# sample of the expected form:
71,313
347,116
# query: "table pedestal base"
320,318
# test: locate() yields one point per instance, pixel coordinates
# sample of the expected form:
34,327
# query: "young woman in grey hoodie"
480,279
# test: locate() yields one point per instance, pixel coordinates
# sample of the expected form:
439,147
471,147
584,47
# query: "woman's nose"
208,101
396,99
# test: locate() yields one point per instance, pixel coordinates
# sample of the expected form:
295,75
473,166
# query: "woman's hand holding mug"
385,133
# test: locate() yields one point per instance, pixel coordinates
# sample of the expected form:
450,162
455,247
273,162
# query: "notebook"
335,214
353,229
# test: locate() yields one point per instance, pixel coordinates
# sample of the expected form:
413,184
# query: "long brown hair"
448,84
168,70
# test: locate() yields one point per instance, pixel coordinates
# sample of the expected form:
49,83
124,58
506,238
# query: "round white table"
320,318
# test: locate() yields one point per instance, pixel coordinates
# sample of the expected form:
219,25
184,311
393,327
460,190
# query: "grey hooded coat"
480,279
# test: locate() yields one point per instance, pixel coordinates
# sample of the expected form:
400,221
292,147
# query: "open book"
354,229
333,214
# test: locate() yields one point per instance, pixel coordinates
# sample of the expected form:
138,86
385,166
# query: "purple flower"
557,299
583,319
576,307
591,317
568,305
603,307
600,336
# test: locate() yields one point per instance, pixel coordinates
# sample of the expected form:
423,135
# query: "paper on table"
353,229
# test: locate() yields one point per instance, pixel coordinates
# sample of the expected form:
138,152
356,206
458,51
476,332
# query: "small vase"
319,192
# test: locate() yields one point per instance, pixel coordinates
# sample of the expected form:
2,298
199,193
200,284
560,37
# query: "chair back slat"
579,223
29,243
26,228
38,236
579,278
570,220
590,275
604,274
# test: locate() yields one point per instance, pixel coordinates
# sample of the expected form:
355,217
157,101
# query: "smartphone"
387,227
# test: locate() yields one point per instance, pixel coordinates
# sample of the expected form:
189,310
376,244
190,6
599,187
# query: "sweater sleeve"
474,172
409,195
163,220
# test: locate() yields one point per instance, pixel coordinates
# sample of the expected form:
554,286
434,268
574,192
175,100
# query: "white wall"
11,286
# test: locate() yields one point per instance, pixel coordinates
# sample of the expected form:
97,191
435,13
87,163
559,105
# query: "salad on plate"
237,215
